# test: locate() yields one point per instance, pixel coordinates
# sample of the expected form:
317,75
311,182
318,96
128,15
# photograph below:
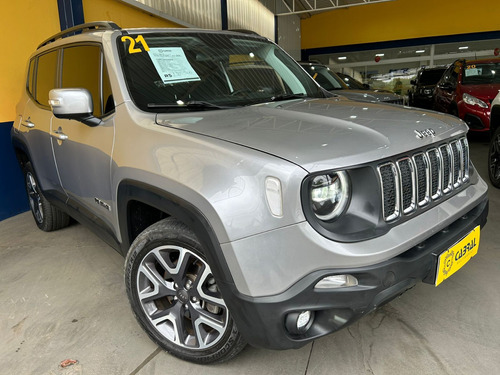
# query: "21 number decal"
133,42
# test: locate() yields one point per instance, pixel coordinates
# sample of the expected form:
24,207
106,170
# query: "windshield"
325,77
476,74
431,77
178,71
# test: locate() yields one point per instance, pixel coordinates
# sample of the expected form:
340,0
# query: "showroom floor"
62,297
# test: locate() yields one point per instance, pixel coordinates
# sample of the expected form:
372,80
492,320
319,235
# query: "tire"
47,217
494,159
175,298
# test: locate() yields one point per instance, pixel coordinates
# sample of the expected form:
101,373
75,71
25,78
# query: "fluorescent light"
380,55
342,58
420,51
464,47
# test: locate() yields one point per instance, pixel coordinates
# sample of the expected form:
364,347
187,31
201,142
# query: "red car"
467,89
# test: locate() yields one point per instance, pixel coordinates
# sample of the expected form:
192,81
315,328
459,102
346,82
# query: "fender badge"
425,133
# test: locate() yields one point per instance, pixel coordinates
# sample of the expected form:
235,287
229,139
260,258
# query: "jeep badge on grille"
425,133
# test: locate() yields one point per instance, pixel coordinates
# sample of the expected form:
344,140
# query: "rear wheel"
494,159
47,216
175,297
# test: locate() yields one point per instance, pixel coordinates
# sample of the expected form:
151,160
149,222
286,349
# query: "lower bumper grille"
415,181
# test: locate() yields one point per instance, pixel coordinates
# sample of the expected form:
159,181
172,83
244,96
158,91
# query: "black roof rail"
85,27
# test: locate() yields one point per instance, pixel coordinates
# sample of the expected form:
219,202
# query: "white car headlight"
330,195
472,100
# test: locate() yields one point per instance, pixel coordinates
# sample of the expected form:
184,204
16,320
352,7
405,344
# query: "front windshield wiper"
193,104
277,98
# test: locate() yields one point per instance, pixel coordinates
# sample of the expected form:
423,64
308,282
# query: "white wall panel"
204,14
251,15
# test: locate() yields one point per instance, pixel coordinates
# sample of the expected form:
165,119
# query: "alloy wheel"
34,197
180,297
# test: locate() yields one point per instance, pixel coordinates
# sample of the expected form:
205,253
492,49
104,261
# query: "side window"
45,77
454,73
107,96
29,79
81,69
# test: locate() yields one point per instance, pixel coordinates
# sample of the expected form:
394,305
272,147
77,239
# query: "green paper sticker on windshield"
172,65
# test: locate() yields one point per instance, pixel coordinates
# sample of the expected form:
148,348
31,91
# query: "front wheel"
494,159
175,297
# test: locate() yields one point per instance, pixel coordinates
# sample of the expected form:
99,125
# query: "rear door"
36,119
82,152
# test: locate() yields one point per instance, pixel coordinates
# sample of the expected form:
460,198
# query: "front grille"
412,182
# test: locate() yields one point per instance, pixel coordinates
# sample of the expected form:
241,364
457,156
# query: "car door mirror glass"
73,104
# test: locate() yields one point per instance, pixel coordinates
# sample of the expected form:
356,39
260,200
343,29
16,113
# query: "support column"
70,13
223,9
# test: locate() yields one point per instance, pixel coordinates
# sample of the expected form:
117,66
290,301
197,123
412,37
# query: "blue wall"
13,199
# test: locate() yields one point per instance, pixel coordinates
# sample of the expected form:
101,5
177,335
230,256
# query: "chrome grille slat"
412,182
407,180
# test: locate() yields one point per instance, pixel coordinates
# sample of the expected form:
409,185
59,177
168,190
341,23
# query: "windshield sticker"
172,65
133,42
473,72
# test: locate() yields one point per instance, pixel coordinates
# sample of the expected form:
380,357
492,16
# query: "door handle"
58,134
28,124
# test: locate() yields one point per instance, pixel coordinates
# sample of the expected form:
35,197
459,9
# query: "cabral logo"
425,133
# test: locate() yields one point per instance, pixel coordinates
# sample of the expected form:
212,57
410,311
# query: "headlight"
330,195
472,100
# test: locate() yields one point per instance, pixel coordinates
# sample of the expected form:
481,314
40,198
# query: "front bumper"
478,119
261,320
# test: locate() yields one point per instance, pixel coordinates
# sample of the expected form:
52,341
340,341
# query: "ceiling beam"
315,6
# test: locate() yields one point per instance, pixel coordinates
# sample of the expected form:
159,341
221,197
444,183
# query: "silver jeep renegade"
251,205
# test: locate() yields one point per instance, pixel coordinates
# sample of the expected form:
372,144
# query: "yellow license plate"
456,256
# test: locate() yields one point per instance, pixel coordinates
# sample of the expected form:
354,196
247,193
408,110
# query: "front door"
83,153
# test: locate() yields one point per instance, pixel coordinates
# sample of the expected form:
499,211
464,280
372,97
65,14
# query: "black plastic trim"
262,320
132,190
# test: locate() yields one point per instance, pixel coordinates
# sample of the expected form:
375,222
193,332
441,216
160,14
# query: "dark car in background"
333,83
421,93
467,89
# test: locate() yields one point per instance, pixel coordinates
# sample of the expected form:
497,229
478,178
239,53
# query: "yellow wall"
122,14
26,23
399,19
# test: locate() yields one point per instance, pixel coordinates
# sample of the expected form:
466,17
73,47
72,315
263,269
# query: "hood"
320,134
483,92
368,95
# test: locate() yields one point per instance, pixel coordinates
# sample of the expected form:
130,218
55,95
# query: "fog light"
336,281
299,323
303,319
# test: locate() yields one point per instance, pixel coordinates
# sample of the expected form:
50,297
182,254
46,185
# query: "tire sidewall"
494,181
28,168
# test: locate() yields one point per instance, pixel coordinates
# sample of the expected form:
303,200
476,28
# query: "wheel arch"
159,204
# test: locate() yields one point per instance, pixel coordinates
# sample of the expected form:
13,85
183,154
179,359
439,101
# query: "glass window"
45,77
481,73
81,69
203,71
107,96
29,79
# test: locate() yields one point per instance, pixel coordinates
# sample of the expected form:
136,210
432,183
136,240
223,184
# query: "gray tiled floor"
62,296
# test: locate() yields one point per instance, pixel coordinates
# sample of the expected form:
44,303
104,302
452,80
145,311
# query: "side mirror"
73,104
447,86
413,82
